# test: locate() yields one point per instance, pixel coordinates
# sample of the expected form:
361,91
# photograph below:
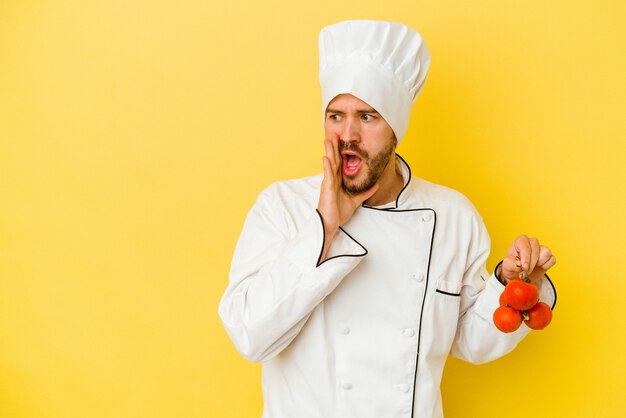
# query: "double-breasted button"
343,330
418,277
408,332
404,388
346,385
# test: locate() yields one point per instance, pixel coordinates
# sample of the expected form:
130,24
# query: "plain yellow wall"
135,136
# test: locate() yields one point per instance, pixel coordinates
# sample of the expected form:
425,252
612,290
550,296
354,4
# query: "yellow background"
135,136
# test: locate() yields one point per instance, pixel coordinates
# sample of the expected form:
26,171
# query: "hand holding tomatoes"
525,265
526,258
520,301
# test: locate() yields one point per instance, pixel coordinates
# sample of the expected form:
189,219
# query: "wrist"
329,234
498,273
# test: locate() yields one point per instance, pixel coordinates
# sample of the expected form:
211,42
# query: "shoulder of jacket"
285,191
439,196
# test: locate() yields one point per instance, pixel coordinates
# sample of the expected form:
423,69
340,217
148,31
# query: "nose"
350,131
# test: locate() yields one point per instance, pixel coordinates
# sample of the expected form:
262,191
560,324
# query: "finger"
329,177
541,269
333,141
544,262
551,262
544,255
522,247
511,268
546,259
330,155
534,254
336,154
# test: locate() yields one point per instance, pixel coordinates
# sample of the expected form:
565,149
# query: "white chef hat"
382,63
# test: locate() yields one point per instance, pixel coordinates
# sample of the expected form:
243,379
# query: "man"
353,287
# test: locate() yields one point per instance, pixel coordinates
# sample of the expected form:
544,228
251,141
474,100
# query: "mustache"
351,146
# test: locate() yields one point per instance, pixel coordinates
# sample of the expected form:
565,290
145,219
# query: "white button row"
409,332
403,387
343,330
418,277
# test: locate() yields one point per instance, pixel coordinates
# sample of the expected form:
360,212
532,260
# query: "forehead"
348,101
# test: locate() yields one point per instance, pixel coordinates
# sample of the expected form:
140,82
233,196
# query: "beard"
375,166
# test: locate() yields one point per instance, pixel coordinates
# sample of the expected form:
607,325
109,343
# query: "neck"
390,184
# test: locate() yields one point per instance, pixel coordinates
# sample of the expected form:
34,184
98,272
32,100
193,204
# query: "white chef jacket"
365,333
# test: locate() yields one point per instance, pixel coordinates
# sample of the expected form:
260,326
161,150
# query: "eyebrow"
339,112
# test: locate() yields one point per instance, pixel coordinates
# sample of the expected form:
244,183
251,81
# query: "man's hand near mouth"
335,205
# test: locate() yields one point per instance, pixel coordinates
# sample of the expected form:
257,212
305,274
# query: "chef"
353,286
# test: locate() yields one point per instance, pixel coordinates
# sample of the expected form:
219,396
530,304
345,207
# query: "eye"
366,117
334,117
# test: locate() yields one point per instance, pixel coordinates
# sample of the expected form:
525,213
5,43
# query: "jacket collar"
402,196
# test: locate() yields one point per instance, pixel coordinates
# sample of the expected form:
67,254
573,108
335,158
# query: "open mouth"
351,163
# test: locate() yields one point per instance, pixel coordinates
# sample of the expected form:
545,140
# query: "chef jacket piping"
336,256
553,290
447,293
430,254
408,181
399,194
419,332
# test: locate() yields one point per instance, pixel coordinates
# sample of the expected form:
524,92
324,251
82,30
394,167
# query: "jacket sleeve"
275,281
477,339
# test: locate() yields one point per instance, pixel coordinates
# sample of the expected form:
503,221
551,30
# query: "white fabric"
341,340
382,63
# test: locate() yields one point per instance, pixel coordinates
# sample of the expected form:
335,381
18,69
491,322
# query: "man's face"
366,142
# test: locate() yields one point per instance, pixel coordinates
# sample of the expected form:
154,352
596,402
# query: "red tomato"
502,300
507,319
520,295
539,316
